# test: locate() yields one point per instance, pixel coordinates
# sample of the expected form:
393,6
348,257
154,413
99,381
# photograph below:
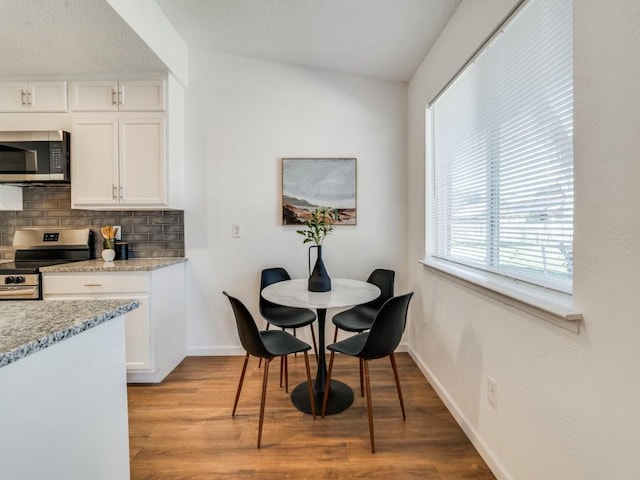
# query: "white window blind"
500,139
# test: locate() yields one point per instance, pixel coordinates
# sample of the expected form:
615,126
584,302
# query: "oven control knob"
8,280
19,279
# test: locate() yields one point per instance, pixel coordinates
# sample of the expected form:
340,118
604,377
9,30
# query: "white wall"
567,403
243,115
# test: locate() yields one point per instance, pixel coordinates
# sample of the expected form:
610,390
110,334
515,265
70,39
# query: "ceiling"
69,37
384,39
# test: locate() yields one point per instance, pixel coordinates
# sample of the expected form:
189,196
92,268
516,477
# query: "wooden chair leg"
265,377
395,374
244,369
281,370
260,362
286,373
327,385
335,335
361,377
369,407
311,400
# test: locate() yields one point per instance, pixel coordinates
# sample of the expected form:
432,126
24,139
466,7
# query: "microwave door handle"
31,157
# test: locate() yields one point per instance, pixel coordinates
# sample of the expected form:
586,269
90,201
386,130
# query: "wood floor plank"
183,429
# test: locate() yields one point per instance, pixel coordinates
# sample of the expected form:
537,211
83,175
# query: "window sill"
553,307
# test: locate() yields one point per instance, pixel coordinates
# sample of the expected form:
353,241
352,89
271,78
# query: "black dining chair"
379,342
359,318
265,345
281,316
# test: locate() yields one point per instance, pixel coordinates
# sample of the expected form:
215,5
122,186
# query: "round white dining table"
344,293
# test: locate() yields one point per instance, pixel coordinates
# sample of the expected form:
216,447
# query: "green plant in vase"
319,224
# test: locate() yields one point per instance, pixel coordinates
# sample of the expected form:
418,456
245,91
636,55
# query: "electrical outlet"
492,392
118,232
235,231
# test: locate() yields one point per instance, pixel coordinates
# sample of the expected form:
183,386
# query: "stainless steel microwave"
35,157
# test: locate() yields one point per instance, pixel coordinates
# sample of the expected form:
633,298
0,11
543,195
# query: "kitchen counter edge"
132,265
30,326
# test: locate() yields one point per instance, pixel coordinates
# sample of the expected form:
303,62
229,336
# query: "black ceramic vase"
319,280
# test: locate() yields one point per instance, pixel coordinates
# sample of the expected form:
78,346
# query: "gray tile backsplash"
150,233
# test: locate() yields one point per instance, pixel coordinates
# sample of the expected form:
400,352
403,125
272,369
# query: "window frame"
547,303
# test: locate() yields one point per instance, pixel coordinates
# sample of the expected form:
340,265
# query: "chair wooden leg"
265,377
286,373
311,400
327,385
369,407
361,377
281,370
395,374
244,369
260,362
335,335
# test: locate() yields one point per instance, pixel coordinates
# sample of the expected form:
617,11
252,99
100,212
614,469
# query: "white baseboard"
215,351
237,350
488,456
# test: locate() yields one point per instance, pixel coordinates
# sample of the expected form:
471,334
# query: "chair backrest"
268,277
384,280
247,330
388,327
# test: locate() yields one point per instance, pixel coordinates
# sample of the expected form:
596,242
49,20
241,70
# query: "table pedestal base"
340,398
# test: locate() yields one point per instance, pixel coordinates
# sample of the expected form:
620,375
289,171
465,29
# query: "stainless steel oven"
17,286
36,248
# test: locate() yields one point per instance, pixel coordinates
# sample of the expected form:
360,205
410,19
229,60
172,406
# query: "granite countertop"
31,325
133,265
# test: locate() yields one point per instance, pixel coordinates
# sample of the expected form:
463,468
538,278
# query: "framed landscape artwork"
309,183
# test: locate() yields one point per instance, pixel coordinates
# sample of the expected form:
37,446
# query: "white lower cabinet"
155,332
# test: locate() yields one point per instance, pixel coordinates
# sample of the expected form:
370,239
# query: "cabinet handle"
92,284
121,190
119,98
114,101
29,99
23,95
114,192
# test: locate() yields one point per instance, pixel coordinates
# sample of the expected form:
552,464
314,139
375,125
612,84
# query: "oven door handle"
29,292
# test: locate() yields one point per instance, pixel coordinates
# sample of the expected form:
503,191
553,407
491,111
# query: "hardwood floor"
183,429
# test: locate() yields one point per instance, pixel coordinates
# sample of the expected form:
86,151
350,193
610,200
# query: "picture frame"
309,183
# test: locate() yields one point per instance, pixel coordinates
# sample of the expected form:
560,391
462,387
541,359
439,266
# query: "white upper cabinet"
142,95
118,95
94,169
142,164
16,97
118,162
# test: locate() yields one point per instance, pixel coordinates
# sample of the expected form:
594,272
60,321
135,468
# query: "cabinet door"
142,161
48,96
13,97
138,336
142,95
94,164
94,96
